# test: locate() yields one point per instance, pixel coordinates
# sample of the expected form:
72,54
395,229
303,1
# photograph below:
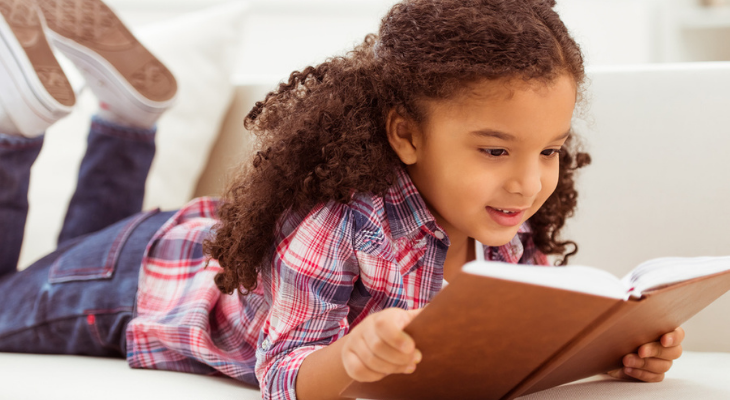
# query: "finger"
389,326
655,349
373,362
384,350
673,338
656,365
414,312
620,374
356,369
614,373
643,375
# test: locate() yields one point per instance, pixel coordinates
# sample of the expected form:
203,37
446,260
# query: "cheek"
550,182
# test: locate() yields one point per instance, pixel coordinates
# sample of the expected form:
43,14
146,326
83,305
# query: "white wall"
280,36
614,32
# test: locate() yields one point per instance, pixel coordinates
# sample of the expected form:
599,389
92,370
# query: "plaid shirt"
331,267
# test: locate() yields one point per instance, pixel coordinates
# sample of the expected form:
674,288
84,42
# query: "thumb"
404,317
413,313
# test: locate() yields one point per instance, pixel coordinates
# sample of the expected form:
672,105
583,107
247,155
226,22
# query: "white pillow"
198,48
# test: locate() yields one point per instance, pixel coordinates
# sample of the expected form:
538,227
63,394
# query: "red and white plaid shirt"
332,267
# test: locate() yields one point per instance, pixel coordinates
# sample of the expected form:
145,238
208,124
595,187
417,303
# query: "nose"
525,180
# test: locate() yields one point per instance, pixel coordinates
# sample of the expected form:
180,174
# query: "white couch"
658,186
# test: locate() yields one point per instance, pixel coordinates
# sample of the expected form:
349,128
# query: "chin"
494,244
497,240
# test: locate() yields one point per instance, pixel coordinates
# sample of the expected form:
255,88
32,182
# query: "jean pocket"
95,257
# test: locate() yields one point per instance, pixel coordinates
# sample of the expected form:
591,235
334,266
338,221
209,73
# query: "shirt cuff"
280,376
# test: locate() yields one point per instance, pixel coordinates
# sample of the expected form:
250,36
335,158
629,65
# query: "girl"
378,175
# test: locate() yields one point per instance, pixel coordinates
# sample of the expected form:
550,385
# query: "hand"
653,359
378,347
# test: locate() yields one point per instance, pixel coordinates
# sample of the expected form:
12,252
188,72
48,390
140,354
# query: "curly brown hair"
321,134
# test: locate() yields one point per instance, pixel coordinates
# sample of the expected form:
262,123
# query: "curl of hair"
550,218
321,134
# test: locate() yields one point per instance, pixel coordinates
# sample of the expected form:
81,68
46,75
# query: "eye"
494,152
550,153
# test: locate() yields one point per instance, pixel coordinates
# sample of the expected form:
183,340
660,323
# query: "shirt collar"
407,212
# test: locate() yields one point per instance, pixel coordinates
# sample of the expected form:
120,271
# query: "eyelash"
488,152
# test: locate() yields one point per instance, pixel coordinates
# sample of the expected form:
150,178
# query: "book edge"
628,306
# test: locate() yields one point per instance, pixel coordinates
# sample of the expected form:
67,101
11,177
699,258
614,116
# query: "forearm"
322,374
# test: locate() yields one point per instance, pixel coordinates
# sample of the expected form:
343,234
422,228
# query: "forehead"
513,106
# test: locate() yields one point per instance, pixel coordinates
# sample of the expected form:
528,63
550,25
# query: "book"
500,331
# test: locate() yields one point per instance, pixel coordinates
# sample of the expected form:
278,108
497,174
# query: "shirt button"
265,344
439,234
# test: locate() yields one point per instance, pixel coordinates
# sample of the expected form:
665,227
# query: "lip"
511,209
506,220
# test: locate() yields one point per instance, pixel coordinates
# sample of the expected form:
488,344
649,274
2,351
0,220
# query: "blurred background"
280,36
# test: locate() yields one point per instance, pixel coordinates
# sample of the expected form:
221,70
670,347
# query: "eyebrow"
509,137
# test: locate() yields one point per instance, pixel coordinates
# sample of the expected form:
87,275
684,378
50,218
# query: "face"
486,161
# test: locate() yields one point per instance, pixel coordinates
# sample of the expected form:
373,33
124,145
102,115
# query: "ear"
403,136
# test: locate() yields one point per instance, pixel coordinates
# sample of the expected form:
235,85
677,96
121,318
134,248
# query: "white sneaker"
34,91
126,78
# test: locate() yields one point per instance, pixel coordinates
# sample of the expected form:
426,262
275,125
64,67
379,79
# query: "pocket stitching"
111,257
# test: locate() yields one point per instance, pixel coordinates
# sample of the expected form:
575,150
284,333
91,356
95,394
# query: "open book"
499,331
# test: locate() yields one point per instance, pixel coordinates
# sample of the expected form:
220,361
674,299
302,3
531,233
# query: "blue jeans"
80,298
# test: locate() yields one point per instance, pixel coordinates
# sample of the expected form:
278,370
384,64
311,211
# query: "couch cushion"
695,375
30,377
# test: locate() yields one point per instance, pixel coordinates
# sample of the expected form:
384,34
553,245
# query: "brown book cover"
488,338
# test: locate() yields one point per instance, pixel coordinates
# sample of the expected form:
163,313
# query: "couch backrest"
659,138
234,142
659,184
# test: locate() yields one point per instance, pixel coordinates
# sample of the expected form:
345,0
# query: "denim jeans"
80,298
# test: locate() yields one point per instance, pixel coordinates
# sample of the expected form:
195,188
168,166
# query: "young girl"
378,175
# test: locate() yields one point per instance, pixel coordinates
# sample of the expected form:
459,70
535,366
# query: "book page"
575,278
659,272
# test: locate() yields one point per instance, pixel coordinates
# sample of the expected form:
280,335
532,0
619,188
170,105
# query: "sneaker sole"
29,70
90,30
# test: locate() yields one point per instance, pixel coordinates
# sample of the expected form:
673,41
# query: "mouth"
506,216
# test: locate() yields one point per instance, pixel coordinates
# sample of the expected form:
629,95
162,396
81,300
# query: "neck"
459,253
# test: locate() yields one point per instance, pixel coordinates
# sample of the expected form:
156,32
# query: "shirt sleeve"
312,275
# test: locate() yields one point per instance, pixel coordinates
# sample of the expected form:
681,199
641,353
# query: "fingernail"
411,369
628,370
419,357
669,341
